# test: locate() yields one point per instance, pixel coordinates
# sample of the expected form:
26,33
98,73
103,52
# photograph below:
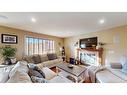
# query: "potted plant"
8,53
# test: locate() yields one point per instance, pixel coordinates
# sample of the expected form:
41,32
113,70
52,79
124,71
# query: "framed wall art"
9,39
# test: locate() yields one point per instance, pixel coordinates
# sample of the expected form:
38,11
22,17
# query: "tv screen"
88,42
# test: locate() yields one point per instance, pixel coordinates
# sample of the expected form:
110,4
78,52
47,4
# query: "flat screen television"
88,42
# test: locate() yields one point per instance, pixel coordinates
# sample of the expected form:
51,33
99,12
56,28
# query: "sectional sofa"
18,73
45,60
113,73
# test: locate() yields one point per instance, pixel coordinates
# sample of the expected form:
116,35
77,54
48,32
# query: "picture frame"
9,39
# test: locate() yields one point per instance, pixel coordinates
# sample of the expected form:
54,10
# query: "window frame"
50,48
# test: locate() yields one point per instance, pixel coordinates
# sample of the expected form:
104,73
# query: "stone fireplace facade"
90,56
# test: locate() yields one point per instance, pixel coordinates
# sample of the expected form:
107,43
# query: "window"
38,46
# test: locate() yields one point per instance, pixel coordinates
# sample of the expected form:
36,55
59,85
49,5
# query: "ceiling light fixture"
102,21
33,19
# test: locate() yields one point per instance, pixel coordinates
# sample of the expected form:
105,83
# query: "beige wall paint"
112,51
21,39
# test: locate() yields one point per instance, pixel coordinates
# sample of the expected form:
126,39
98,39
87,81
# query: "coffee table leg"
57,70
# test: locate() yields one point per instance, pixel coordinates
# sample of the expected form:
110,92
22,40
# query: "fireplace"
90,56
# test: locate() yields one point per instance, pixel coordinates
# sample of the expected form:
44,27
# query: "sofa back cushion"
44,58
52,56
29,59
36,59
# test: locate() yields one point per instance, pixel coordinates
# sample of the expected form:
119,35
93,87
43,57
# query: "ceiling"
62,24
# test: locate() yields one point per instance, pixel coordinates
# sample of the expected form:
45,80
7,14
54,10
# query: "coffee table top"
76,70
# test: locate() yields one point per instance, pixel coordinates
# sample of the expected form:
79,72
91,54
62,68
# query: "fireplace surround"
90,56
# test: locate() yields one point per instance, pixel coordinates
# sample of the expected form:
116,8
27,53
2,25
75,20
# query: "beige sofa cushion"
106,76
19,77
44,57
28,59
47,63
52,56
49,74
57,61
36,59
40,65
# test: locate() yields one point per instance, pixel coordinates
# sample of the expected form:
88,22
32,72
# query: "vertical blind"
38,46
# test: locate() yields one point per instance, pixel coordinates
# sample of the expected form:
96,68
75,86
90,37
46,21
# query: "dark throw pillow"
40,71
38,80
34,73
52,56
31,66
36,59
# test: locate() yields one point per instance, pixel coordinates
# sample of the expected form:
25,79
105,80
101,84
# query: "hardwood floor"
53,69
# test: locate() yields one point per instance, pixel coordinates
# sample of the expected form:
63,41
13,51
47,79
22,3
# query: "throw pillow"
44,58
38,80
40,71
34,73
36,69
123,60
36,59
31,66
52,56
124,64
116,65
28,59
124,69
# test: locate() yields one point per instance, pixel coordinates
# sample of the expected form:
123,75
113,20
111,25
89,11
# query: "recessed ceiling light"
33,19
102,21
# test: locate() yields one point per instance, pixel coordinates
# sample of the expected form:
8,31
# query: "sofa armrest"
116,65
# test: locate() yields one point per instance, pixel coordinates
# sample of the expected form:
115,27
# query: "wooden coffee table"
77,72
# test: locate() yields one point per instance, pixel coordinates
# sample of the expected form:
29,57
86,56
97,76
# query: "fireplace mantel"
92,50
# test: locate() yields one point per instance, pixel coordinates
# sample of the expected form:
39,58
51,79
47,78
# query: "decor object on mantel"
76,44
8,54
100,45
9,39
